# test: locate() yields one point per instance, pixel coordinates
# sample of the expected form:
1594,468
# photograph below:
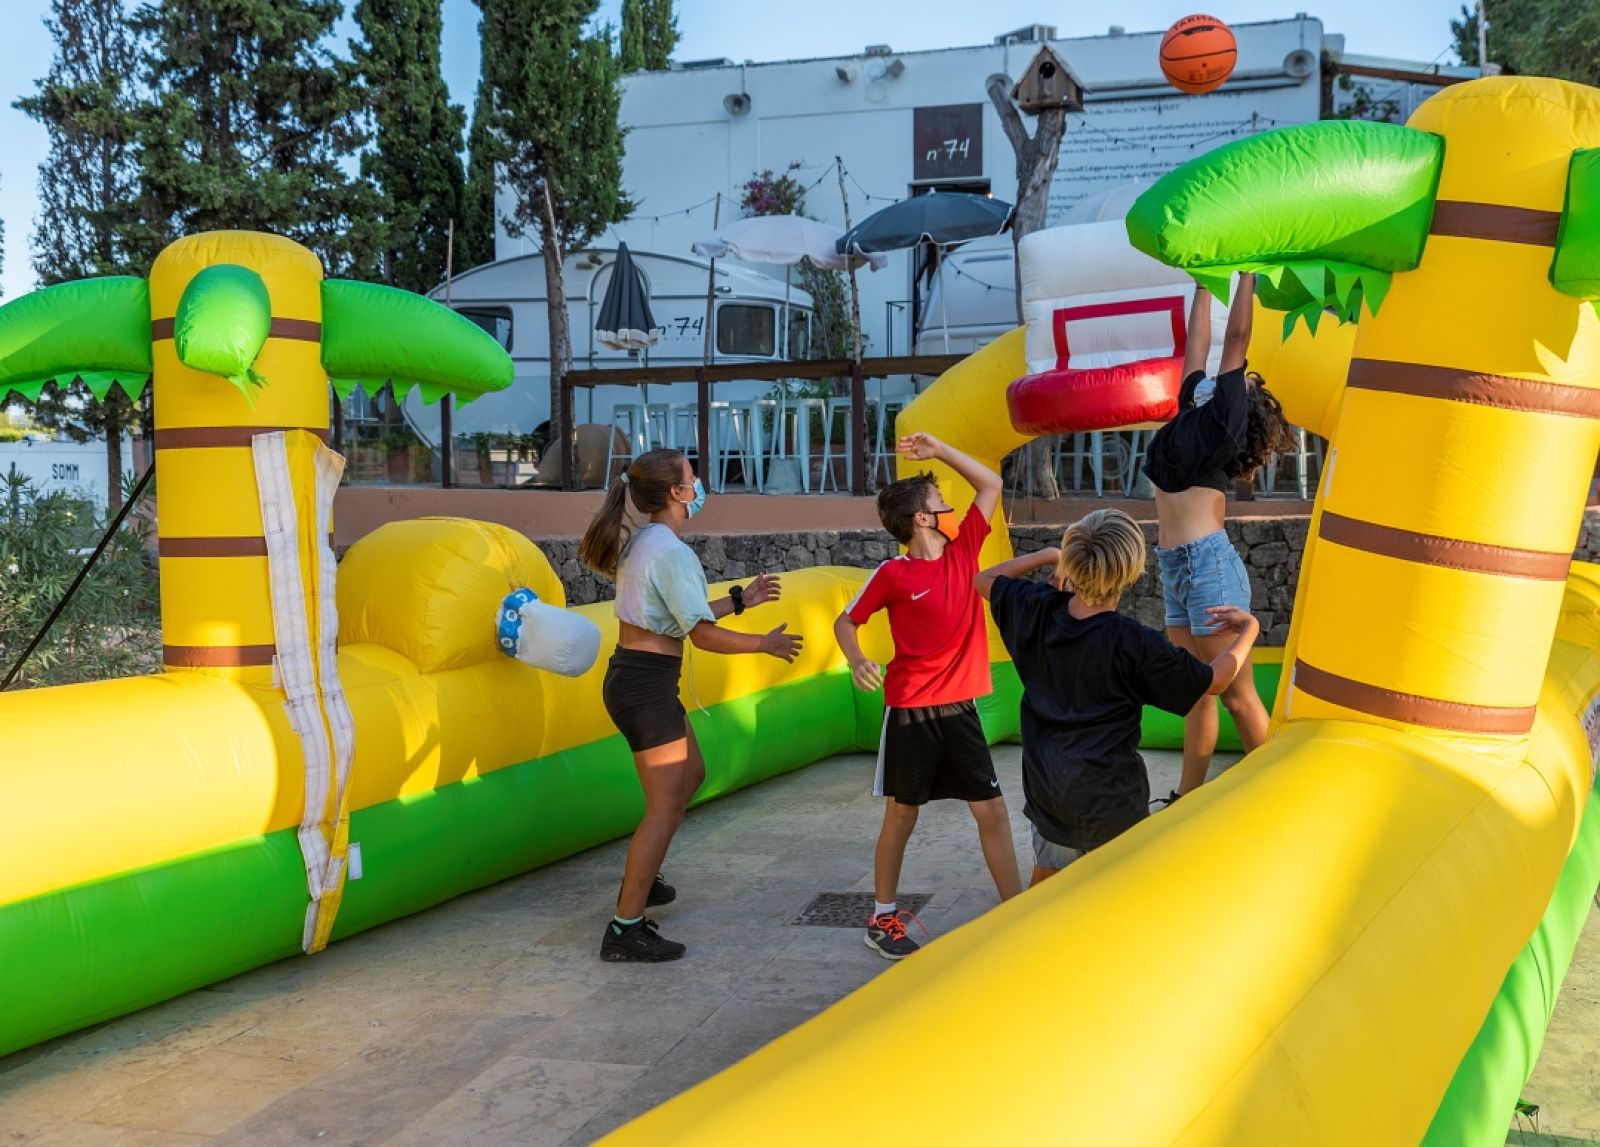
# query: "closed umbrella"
625,321
942,218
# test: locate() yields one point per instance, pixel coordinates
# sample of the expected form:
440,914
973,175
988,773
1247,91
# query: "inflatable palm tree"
1463,442
252,310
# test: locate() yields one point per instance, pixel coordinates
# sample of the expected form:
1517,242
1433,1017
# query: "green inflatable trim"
1325,211
374,335
1575,270
1478,1105
96,331
172,927
223,320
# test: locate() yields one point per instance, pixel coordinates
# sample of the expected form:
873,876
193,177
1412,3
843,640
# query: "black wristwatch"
736,593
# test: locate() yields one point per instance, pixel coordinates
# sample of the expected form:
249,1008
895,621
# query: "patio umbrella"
784,240
942,218
625,321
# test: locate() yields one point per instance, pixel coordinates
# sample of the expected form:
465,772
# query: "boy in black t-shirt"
1087,672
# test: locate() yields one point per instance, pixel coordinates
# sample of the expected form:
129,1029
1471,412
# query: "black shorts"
641,695
935,753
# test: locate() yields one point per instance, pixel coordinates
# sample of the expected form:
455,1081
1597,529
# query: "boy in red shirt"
933,747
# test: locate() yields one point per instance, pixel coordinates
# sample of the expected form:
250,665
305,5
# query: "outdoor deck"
489,1021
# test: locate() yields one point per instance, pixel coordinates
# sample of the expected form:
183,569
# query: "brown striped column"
215,596
1455,488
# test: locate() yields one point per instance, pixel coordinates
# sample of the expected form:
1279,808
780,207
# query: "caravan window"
495,320
746,329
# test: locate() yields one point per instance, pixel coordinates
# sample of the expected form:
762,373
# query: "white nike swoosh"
924,593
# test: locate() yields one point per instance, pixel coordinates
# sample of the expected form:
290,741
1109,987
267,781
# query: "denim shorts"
1207,571
1048,854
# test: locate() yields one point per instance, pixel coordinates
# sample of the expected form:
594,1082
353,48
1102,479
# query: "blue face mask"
694,507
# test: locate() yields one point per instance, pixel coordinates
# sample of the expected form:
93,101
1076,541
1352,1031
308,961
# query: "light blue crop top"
661,585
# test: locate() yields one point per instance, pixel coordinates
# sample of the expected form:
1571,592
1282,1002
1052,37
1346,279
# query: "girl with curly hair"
1225,429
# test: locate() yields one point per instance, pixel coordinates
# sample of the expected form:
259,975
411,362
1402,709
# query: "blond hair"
1102,554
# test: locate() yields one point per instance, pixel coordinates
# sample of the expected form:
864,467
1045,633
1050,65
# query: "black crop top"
1195,448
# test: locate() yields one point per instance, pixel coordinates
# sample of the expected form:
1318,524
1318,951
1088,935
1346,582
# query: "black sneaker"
660,893
638,942
1169,799
886,935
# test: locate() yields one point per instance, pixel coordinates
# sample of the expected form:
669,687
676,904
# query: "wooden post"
711,292
855,298
858,428
445,430
858,383
569,474
702,398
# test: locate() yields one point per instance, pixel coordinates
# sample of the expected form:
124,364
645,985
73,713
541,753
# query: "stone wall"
1271,548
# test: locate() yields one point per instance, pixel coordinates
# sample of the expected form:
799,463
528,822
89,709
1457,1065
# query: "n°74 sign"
947,142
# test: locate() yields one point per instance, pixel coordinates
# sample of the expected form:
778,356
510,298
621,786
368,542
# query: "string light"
1240,128
959,273
869,196
673,214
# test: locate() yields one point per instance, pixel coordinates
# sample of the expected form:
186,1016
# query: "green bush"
112,628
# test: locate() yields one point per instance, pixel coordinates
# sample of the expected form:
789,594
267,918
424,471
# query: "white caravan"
507,298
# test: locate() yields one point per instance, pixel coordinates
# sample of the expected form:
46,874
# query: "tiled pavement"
489,1020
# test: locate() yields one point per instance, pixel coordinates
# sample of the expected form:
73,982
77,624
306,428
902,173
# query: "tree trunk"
1036,168
116,406
560,336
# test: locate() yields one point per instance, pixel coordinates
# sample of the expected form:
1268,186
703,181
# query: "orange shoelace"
894,927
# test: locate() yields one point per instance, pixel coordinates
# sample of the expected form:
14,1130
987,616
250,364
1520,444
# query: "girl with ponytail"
662,600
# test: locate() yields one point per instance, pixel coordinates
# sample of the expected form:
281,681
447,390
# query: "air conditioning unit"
1031,34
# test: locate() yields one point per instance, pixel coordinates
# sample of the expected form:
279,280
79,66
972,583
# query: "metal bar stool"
792,423
836,410
632,421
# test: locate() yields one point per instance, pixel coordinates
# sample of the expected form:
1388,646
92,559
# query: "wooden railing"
704,376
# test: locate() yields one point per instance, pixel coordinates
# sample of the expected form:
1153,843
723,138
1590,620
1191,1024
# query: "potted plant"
421,457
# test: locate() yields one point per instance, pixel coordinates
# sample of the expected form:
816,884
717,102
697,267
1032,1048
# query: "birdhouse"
1048,83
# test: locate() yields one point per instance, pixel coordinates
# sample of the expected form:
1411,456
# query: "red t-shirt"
941,649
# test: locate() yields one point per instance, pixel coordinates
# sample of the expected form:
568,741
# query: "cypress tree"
660,34
649,33
247,123
554,90
477,210
631,40
416,165
85,104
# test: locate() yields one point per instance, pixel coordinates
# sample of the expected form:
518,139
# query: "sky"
739,30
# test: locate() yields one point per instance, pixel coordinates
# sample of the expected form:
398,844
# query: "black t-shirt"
1194,449
1085,683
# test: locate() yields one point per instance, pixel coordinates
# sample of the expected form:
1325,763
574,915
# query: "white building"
903,122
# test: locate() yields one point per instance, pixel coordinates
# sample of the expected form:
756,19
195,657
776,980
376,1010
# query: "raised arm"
986,484
1019,566
1236,342
1197,343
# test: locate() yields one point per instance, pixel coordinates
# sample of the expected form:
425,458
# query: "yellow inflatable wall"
1302,951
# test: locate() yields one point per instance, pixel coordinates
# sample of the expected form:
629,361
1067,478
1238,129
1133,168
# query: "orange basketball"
1198,53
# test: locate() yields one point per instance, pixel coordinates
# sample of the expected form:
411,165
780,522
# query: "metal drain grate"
851,909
